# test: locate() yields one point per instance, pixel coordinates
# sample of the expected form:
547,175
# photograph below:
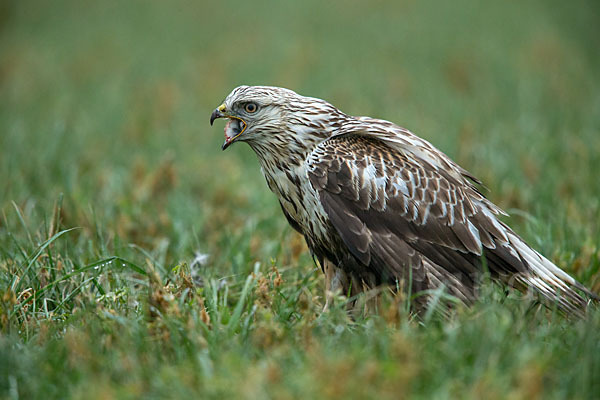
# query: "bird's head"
265,114
253,111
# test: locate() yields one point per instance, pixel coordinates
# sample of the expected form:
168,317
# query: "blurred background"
183,280
104,110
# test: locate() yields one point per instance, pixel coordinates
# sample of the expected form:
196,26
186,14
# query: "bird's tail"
551,282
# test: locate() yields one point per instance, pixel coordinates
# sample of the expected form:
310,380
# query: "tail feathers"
555,285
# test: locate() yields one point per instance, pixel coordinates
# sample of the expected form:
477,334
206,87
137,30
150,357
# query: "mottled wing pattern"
398,215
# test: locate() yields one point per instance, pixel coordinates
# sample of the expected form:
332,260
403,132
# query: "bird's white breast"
299,199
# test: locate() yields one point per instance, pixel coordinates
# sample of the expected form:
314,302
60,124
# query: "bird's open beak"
234,127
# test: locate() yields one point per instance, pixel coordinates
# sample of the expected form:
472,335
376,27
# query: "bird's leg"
336,281
365,294
372,294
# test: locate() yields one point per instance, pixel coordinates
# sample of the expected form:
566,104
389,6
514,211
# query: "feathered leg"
336,282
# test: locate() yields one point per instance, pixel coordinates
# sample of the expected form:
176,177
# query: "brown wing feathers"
394,213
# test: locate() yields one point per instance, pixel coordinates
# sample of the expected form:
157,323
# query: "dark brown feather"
399,217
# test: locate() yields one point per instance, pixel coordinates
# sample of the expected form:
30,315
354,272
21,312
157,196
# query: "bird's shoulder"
363,180
368,170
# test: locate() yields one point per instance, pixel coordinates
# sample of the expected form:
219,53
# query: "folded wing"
404,218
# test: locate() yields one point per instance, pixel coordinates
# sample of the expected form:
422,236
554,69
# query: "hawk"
378,205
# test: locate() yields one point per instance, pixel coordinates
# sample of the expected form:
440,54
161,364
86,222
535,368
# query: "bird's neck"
277,154
295,140
283,164
282,154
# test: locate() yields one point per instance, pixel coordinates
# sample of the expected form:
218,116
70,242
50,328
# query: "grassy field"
137,260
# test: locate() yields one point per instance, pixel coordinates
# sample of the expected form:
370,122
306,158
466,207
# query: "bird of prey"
378,205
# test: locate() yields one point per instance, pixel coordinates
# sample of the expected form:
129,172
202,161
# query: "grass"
113,187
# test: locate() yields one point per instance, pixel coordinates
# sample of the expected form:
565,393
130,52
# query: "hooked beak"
218,113
234,128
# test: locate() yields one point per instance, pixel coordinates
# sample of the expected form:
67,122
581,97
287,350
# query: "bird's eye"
250,107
